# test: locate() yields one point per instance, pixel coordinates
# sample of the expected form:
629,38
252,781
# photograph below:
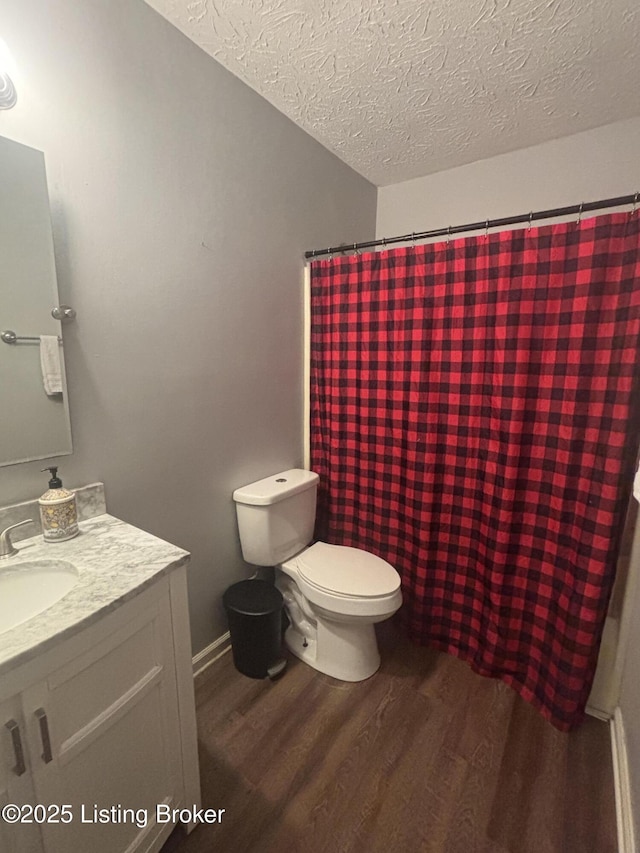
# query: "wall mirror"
34,424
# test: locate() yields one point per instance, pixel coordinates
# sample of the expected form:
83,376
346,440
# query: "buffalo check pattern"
474,421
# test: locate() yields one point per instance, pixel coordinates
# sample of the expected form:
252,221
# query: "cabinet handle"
18,751
41,716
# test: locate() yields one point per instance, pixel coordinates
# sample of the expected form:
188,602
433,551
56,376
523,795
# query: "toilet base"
348,652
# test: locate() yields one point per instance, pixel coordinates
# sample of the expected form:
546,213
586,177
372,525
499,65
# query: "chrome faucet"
6,546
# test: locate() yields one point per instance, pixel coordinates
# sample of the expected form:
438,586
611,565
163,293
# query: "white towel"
50,363
636,485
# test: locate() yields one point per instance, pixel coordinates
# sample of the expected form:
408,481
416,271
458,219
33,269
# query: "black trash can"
254,610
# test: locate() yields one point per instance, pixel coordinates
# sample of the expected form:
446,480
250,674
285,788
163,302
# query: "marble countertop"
115,562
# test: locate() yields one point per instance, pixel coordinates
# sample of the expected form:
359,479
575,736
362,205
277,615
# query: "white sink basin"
30,587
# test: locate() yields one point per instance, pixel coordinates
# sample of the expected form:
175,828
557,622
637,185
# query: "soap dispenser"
58,511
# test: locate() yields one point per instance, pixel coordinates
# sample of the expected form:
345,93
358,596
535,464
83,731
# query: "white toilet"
333,594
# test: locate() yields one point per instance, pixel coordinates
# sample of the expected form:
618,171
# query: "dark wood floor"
424,756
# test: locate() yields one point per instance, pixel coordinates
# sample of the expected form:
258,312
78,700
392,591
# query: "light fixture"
8,94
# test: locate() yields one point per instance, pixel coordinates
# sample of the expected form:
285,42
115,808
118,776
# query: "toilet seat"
347,572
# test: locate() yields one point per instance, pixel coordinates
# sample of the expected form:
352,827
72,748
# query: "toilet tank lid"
272,489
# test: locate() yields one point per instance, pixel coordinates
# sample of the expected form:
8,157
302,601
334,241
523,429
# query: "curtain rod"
581,208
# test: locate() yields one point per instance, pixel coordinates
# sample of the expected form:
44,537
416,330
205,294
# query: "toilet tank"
276,516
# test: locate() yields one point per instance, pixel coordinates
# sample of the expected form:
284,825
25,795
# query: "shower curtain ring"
448,234
635,203
580,213
356,249
530,219
486,229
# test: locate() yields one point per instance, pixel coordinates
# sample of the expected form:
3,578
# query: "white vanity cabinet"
16,783
107,726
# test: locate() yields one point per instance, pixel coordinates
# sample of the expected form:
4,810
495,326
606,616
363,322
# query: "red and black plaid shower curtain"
473,422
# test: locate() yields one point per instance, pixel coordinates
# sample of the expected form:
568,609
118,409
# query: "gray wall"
630,689
600,163
182,203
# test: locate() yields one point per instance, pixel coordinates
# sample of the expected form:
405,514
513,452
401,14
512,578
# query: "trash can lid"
253,598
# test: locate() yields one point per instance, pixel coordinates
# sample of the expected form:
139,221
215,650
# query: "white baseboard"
605,716
211,653
624,807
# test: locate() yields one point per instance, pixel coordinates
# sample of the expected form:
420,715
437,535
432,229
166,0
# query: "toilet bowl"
333,594
340,592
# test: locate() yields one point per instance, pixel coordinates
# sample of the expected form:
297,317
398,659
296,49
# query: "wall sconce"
8,94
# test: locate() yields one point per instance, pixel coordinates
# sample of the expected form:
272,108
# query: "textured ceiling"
402,88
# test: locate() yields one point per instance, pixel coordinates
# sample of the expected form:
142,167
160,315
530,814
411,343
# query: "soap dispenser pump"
58,511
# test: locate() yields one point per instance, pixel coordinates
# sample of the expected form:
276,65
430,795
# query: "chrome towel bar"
10,337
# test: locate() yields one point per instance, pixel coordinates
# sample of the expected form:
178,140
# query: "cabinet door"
16,786
105,729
